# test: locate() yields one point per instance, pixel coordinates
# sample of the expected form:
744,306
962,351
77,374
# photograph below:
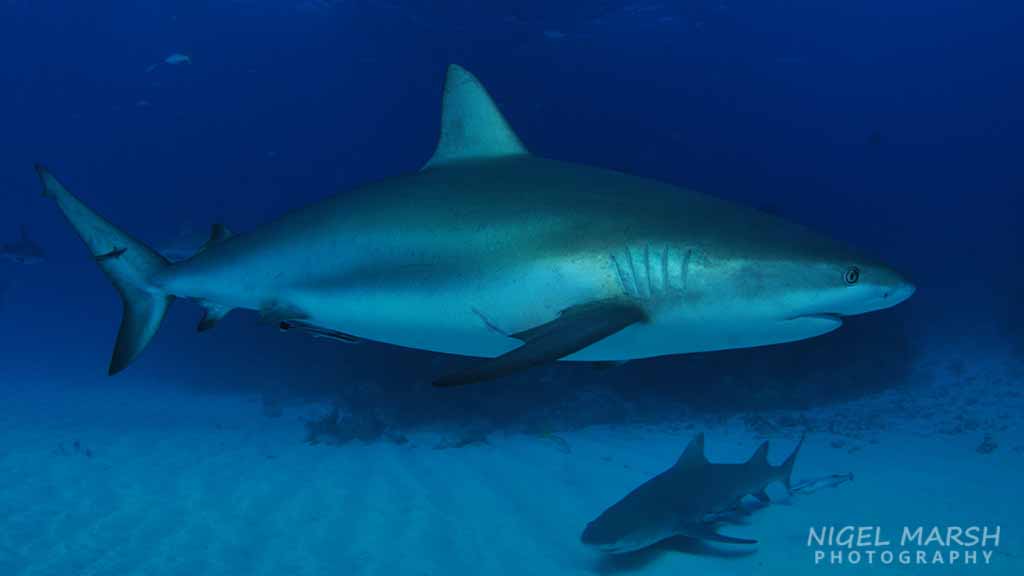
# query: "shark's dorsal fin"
694,453
760,455
471,124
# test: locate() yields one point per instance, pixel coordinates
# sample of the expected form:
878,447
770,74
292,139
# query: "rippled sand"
164,482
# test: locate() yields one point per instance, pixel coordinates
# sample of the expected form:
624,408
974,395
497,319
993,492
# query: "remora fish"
683,500
490,251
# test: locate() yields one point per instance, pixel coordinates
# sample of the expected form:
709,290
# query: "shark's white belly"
476,314
471,313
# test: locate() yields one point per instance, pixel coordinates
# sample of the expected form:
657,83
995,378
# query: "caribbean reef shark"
22,251
685,500
492,252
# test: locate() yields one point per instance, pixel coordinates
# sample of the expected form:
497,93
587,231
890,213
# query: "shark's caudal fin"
472,127
128,263
786,468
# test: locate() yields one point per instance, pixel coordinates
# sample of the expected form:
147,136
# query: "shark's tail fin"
128,263
786,468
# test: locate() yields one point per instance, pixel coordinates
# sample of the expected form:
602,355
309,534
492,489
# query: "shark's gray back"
465,213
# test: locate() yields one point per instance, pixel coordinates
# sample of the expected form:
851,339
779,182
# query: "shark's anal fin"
574,329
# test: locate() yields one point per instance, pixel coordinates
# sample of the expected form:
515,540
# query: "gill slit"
632,270
684,272
647,269
621,273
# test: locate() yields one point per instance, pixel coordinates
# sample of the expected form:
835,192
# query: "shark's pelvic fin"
693,455
128,263
472,126
574,329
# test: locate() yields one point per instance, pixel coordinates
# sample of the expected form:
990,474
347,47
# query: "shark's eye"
852,275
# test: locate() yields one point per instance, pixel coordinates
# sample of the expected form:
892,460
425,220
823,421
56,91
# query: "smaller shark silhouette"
685,500
22,251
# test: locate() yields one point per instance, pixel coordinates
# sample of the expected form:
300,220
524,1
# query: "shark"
492,252
686,500
22,251
172,60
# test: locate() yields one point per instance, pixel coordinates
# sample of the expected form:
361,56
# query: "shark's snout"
900,293
589,536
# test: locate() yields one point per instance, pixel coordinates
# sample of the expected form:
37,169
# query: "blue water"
896,127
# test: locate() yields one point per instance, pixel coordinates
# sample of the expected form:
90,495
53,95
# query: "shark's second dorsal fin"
471,124
760,455
694,453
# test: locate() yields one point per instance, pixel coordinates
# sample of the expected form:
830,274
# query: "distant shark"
173,60
685,500
22,251
492,252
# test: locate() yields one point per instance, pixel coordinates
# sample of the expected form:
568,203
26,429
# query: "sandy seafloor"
177,483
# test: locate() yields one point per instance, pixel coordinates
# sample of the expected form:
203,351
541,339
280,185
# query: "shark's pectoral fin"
762,496
574,329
